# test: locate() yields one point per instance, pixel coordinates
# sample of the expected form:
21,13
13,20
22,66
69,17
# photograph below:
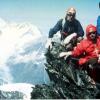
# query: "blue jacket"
98,25
68,28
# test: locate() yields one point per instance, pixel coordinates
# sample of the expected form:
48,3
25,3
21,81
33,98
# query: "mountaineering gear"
67,28
87,47
91,32
90,28
98,25
49,43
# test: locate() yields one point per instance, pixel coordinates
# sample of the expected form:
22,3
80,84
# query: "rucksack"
98,25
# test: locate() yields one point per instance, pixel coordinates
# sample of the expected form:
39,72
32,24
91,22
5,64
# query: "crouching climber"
88,52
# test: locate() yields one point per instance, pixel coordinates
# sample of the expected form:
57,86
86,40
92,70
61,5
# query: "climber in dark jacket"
67,26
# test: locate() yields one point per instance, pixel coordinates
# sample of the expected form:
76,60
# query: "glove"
49,44
68,38
65,54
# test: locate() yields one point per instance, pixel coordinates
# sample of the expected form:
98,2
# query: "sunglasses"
92,33
70,14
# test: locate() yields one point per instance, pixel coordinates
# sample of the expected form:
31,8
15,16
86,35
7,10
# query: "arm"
78,50
80,30
55,29
75,53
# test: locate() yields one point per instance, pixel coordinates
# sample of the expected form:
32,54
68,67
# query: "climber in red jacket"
87,49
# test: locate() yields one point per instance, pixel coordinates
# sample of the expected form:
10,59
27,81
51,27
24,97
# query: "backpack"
98,25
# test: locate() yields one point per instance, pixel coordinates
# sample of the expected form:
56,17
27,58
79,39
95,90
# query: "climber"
67,26
89,50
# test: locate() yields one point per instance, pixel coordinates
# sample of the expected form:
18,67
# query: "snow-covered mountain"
21,54
16,91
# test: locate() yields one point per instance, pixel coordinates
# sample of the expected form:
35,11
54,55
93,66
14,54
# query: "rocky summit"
67,80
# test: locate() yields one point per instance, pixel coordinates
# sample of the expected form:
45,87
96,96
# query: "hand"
65,54
49,44
62,54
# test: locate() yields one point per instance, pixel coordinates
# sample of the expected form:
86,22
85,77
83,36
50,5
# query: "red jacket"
87,49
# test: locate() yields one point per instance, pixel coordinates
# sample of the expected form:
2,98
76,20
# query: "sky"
45,13
42,13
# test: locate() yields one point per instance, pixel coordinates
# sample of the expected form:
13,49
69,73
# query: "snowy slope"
24,88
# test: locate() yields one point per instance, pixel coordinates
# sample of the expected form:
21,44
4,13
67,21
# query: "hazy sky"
45,13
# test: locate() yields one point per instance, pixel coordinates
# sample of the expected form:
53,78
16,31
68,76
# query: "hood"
90,28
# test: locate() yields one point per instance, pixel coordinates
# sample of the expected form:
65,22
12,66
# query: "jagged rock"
67,82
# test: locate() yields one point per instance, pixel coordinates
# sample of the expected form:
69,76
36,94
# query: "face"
92,35
70,16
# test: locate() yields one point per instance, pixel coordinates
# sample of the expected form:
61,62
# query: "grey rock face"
67,81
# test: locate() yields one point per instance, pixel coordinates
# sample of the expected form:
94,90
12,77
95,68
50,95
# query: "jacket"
87,50
69,28
98,25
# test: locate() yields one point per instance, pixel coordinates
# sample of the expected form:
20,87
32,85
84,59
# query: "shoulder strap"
62,33
63,22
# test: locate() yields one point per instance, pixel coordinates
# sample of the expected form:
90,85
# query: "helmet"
90,28
71,10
